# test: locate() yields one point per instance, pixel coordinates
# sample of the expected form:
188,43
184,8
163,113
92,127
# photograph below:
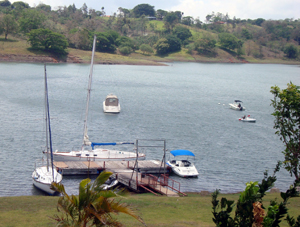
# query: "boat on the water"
237,105
111,104
44,175
88,152
183,167
247,119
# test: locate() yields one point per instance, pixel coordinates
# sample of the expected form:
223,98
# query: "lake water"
184,103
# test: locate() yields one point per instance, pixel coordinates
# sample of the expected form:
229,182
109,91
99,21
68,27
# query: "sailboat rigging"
95,154
43,176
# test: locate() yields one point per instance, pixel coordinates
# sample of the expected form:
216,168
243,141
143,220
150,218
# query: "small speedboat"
237,105
111,104
247,119
183,168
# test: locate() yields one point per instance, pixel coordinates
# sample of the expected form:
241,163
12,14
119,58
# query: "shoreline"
130,61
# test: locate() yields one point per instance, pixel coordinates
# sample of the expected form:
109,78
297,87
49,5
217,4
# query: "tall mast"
86,141
46,117
48,127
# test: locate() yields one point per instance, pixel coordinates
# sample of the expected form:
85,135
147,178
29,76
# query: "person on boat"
244,117
239,105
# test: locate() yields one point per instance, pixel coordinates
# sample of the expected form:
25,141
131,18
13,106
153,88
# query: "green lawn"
193,210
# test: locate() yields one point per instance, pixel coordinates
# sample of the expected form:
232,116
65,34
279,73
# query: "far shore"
135,59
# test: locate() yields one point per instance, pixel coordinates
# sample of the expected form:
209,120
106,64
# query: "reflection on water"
184,103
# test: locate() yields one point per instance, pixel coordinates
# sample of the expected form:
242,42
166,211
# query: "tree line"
143,27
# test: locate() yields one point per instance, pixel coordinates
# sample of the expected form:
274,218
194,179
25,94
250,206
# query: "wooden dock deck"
95,167
137,177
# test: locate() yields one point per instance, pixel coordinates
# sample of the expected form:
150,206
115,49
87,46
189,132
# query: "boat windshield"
111,102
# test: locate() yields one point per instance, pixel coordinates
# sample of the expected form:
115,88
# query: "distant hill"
131,37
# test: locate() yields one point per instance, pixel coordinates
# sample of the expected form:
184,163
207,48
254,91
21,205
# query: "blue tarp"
105,144
181,152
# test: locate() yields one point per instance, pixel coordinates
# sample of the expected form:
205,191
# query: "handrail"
166,180
162,181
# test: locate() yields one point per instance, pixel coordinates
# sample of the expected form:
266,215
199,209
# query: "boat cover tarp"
181,152
111,144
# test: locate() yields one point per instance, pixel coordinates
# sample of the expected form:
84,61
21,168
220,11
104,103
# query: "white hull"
111,104
97,155
183,168
247,119
236,107
111,109
42,179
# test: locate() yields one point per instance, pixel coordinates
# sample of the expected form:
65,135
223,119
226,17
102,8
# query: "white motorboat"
183,167
87,153
44,175
111,104
247,119
237,105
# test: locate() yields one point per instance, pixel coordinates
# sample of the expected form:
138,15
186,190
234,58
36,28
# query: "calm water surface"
184,103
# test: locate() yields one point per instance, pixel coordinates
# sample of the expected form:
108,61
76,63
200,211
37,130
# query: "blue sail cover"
105,144
181,152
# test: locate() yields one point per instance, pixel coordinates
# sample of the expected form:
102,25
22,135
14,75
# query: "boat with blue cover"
183,167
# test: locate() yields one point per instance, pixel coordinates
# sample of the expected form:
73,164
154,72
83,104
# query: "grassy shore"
156,211
18,50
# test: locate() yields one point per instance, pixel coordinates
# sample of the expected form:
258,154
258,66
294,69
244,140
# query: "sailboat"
44,175
91,153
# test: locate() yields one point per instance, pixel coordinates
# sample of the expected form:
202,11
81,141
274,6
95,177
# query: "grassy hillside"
18,50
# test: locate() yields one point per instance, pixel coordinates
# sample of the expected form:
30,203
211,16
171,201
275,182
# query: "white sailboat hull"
42,179
97,155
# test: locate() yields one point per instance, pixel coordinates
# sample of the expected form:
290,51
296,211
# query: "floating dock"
137,176
95,167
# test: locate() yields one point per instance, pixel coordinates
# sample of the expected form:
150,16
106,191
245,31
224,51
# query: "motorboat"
88,152
183,167
237,105
111,104
44,175
247,119
111,183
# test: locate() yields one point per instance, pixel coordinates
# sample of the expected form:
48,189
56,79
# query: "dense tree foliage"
206,44
7,25
31,19
106,42
162,46
145,48
250,210
291,51
168,44
286,105
228,41
44,39
143,9
170,20
182,33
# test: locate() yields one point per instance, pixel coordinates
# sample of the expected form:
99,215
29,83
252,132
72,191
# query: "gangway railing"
170,183
162,184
